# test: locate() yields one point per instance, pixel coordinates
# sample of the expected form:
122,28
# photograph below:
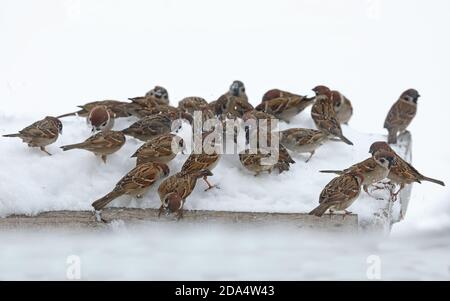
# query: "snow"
58,54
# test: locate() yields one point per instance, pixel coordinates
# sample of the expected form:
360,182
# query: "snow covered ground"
58,54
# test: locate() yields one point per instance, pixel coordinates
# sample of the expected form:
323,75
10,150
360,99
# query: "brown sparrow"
41,133
302,140
100,118
285,107
174,190
118,108
197,162
401,172
234,102
192,104
136,182
342,105
401,114
324,116
149,127
156,96
373,169
339,194
254,162
276,93
101,144
159,149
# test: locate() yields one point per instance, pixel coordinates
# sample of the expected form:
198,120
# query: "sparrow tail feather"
69,114
71,146
320,210
344,139
100,203
439,182
12,135
338,172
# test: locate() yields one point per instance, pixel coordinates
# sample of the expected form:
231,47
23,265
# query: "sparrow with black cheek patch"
174,190
234,102
339,194
342,105
401,172
100,118
137,182
401,114
302,140
192,104
156,96
118,108
101,144
41,133
163,148
284,107
324,116
373,169
149,127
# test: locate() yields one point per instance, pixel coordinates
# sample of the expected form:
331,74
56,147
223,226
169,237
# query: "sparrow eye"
382,160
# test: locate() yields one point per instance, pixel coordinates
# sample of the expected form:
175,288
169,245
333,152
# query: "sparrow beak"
391,162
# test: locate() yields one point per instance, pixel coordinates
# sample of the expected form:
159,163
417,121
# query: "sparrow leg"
209,184
394,195
346,213
312,153
104,158
331,213
160,211
45,151
98,217
179,214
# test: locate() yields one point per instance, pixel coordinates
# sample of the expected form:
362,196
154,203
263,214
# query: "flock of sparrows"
329,110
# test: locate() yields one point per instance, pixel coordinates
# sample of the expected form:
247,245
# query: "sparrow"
276,93
234,102
174,190
100,118
192,104
156,96
162,148
197,162
401,172
324,116
170,111
342,105
401,114
254,161
374,169
118,108
149,127
136,182
101,144
339,194
285,107
302,140
41,133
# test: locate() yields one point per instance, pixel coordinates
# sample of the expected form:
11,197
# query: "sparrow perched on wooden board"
234,102
136,182
373,169
302,140
284,107
41,133
101,144
163,148
118,108
339,194
342,105
100,118
156,96
401,114
174,190
401,172
324,116
192,104
149,127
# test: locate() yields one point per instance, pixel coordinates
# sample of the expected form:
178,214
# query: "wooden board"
83,219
